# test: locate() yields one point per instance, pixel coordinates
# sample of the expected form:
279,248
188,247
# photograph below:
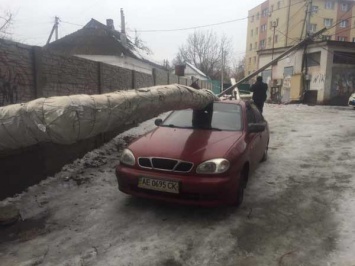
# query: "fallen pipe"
68,119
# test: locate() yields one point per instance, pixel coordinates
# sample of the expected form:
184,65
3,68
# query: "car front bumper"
193,190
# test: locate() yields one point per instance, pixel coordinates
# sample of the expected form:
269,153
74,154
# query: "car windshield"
220,116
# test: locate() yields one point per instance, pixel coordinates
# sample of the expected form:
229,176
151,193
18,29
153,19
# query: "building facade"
276,25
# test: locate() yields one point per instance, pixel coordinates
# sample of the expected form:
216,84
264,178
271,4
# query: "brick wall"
16,73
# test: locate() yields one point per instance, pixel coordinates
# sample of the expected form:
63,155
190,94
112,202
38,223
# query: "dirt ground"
299,207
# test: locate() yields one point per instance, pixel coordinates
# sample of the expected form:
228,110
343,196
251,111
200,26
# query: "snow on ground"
299,207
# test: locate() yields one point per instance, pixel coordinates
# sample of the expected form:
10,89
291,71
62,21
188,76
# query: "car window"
225,116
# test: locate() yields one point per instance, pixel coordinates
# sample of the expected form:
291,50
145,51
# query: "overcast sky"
33,19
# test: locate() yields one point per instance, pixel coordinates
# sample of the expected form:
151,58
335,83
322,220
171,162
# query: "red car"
194,157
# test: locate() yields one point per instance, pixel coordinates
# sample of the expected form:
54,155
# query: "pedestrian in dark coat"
259,89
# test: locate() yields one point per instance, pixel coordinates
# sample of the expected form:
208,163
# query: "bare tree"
6,18
204,50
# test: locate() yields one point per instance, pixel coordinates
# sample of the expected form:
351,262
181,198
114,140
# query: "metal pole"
222,74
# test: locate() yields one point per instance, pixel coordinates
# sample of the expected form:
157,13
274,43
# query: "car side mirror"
158,122
256,127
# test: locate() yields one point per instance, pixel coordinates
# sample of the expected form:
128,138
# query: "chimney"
123,30
180,70
109,24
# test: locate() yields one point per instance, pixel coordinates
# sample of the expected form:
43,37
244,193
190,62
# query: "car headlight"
214,166
127,157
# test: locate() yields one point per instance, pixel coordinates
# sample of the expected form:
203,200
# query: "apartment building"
282,23
275,25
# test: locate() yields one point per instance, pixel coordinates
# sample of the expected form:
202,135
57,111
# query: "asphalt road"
298,210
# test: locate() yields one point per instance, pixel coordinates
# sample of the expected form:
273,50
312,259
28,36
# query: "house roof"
94,38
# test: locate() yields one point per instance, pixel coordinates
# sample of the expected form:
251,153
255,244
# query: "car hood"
185,144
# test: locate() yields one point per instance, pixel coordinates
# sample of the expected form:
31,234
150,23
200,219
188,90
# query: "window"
256,30
326,37
262,44
224,116
250,47
257,16
265,12
255,45
269,41
344,7
312,28
328,22
272,8
341,39
313,59
252,33
263,28
329,5
252,18
343,24
314,9
249,60
278,5
254,59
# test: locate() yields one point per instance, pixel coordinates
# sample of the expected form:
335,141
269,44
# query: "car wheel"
265,153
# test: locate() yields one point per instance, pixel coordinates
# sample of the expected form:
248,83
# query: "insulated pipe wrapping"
67,119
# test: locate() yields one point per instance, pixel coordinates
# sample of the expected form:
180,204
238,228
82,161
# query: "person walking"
259,89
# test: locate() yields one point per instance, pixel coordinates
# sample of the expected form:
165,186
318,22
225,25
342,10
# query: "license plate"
159,185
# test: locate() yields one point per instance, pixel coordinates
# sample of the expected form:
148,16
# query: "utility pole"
55,28
222,72
288,22
274,24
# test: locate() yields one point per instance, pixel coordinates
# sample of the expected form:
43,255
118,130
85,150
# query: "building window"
326,37
252,33
278,5
329,5
341,39
257,16
265,12
314,9
312,28
256,30
263,28
249,60
271,8
343,24
262,44
250,47
254,59
269,41
255,46
344,7
252,18
328,22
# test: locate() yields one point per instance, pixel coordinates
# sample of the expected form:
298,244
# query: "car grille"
165,164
